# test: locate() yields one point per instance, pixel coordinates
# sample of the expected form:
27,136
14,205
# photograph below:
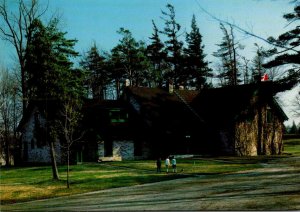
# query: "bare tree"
245,67
69,124
15,29
8,112
248,32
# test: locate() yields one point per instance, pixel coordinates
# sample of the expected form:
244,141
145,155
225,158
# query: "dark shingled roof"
40,105
216,105
223,104
160,95
162,108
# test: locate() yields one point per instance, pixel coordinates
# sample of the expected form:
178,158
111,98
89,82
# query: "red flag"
265,77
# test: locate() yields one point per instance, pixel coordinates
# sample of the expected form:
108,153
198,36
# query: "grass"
292,146
25,184
32,183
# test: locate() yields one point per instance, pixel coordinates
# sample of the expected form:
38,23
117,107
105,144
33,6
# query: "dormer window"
118,115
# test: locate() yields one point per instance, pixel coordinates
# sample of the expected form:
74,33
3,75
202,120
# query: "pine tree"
98,75
257,68
287,52
196,68
293,129
48,57
50,76
129,61
157,56
174,46
227,52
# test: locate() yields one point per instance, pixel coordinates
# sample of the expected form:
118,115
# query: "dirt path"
275,187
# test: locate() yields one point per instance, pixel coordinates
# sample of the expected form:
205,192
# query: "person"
158,165
173,162
167,163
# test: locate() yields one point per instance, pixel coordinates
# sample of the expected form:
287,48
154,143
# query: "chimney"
127,82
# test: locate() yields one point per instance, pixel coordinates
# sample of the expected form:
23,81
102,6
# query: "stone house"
244,120
147,122
34,137
241,120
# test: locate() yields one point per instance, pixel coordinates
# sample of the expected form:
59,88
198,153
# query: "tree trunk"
24,91
68,167
7,152
234,59
259,125
53,161
118,88
6,137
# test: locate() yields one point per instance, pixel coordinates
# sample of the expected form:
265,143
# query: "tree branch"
245,31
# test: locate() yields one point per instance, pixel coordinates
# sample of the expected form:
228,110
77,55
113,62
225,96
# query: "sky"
98,21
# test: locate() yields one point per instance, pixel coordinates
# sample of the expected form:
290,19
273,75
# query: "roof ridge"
188,106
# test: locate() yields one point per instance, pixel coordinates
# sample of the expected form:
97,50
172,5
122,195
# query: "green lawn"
31,183
292,146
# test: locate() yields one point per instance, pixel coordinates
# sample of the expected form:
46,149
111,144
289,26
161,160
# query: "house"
109,134
151,122
245,120
34,134
164,122
240,120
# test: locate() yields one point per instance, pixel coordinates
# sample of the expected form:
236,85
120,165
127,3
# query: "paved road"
274,187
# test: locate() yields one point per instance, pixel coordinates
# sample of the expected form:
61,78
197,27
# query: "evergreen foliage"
157,55
293,129
48,61
97,72
196,67
50,78
286,52
129,61
227,52
258,69
173,46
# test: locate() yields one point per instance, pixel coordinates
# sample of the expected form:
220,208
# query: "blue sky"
98,20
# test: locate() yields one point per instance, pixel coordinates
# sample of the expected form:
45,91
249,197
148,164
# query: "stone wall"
31,153
246,136
123,149
100,149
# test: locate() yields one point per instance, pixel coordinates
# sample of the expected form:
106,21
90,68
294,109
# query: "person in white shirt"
167,163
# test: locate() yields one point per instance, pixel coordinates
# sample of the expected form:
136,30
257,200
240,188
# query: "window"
32,143
249,119
38,130
269,115
118,116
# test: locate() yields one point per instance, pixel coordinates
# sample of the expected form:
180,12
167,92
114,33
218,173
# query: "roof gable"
227,103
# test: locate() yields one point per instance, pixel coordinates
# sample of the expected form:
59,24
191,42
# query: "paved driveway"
275,187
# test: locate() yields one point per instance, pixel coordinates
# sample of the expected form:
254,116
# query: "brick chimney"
127,82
